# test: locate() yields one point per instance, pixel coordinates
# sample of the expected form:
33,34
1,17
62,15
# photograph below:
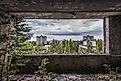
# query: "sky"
61,29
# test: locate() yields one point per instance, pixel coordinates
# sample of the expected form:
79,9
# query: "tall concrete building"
84,45
41,40
88,37
91,38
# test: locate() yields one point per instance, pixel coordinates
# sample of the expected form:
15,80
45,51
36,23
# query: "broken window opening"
67,36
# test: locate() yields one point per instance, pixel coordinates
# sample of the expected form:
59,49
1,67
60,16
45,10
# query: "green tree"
64,46
17,34
99,46
89,46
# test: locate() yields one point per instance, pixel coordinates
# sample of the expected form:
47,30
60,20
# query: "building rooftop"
41,36
88,37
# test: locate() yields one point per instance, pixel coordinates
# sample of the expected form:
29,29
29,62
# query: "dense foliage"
99,46
42,69
64,47
17,34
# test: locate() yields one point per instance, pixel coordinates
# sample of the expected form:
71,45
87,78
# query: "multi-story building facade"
41,40
91,38
83,47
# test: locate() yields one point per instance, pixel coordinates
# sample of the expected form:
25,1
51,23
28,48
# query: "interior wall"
115,35
90,64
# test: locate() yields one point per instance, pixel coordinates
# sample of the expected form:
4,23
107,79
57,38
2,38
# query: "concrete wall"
3,32
115,35
1,43
3,28
73,63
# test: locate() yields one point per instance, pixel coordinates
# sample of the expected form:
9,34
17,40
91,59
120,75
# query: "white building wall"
93,43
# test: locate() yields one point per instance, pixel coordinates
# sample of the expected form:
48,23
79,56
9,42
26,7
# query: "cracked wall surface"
62,8
90,64
115,35
3,31
61,5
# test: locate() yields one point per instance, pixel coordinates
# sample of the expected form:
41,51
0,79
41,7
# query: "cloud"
66,26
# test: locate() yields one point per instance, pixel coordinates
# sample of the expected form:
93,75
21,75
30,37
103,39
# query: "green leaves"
44,62
65,46
89,46
42,70
99,46
111,73
109,68
16,37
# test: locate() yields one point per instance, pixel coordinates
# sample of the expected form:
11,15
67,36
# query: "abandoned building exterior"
85,39
108,10
91,38
41,40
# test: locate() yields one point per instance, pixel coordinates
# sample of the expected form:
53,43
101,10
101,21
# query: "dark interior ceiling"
62,8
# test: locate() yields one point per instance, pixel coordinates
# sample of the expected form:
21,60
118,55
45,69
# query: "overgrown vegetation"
99,46
112,75
17,45
16,36
65,46
42,69
70,47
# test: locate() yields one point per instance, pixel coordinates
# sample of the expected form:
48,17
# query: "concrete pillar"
106,35
115,35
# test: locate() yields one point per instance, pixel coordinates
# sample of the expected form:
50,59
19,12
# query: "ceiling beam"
66,15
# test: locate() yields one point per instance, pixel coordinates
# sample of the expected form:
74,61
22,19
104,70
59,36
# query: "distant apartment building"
91,38
88,37
41,40
83,46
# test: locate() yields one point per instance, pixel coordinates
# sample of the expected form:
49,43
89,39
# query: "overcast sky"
66,28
